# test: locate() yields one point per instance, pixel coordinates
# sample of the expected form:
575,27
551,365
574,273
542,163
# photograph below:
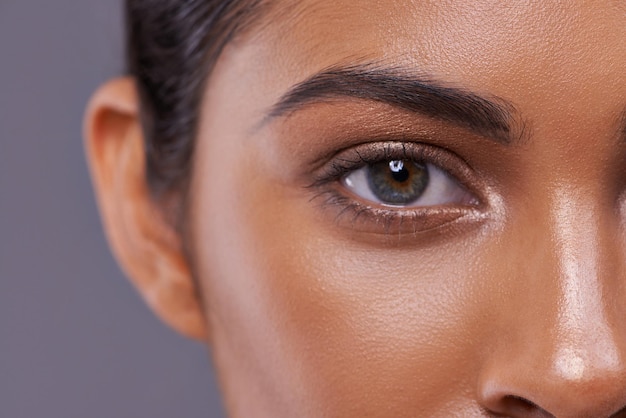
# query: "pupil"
398,172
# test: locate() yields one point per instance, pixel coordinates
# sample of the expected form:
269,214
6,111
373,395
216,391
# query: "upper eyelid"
358,156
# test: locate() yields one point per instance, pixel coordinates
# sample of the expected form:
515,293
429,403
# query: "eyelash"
331,194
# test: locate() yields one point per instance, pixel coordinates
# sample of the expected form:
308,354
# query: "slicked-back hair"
172,47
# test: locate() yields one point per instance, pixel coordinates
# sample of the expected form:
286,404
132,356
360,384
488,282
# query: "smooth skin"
511,303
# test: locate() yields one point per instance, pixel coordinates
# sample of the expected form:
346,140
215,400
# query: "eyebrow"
491,117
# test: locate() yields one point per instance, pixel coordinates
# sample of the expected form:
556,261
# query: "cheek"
305,318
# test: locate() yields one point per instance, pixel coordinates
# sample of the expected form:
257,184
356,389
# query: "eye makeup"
332,152
359,211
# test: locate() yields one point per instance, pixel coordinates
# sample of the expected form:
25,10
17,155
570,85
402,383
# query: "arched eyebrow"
491,117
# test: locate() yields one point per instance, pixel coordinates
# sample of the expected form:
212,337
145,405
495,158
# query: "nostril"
517,406
619,414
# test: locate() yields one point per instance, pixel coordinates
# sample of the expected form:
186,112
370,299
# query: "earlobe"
145,244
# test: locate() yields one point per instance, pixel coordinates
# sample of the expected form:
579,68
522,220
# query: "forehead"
436,29
540,53
453,36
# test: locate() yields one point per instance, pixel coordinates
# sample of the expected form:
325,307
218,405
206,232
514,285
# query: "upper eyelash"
374,153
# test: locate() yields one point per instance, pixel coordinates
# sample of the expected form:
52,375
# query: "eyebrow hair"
492,117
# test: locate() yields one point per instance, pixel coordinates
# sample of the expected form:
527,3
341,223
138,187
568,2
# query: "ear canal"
145,243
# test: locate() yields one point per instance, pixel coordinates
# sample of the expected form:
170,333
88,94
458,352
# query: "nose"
561,353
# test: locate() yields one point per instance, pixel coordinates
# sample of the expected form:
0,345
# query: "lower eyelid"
361,218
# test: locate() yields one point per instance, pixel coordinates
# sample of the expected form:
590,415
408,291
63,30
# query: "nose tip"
575,385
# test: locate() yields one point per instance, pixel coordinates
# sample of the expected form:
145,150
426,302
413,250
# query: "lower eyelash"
348,207
388,221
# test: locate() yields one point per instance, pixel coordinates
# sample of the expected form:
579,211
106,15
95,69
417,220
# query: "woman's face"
415,208
434,227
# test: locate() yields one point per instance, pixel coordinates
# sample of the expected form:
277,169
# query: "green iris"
397,182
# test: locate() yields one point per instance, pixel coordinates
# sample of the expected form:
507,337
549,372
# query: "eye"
406,183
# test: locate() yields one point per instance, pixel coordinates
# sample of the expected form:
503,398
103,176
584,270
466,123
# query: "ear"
146,245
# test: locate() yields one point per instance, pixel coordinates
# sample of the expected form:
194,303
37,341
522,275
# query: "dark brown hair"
172,46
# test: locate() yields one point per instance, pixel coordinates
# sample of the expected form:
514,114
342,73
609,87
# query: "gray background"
75,339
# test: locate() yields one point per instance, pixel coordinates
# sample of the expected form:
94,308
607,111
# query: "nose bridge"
585,344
